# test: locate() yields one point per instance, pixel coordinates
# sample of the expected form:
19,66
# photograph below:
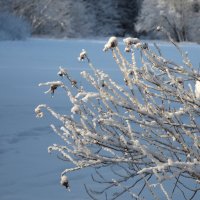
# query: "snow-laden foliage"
142,136
180,17
13,27
82,18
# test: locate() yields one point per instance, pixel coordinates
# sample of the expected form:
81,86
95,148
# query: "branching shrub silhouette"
145,131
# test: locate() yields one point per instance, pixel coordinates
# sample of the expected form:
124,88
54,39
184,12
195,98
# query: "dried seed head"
138,45
145,46
126,81
112,42
53,88
103,84
130,41
82,55
64,181
75,109
62,72
127,49
180,80
73,82
39,113
131,72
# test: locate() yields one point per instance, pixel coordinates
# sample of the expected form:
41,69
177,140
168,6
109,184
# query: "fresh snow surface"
27,171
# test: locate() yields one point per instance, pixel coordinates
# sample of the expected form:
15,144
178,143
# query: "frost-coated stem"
148,126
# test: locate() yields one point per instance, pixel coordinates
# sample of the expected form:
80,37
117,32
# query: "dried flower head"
38,112
145,46
112,42
127,49
131,72
73,82
130,41
62,72
64,182
126,82
180,80
138,45
75,109
82,55
53,86
103,84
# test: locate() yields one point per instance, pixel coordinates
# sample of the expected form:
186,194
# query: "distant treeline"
101,18
76,18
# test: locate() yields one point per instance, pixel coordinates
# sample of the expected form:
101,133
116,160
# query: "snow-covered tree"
179,17
32,11
47,17
76,18
81,20
128,12
13,28
144,133
115,17
107,17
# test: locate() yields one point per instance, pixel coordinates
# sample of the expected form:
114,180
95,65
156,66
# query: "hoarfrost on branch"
145,131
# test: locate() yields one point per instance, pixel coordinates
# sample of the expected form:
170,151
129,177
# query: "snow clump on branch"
53,86
197,89
82,55
65,182
38,112
129,42
62,72
112,42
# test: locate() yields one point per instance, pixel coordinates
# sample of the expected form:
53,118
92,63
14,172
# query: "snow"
27,171
112,42
13,27
197,89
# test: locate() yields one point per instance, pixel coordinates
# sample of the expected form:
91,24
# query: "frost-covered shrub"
13,27
142,136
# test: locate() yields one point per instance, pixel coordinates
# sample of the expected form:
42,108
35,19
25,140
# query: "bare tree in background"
180,17
32,10
47,17
76,18
142,136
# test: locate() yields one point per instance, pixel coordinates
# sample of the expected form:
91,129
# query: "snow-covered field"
27,171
